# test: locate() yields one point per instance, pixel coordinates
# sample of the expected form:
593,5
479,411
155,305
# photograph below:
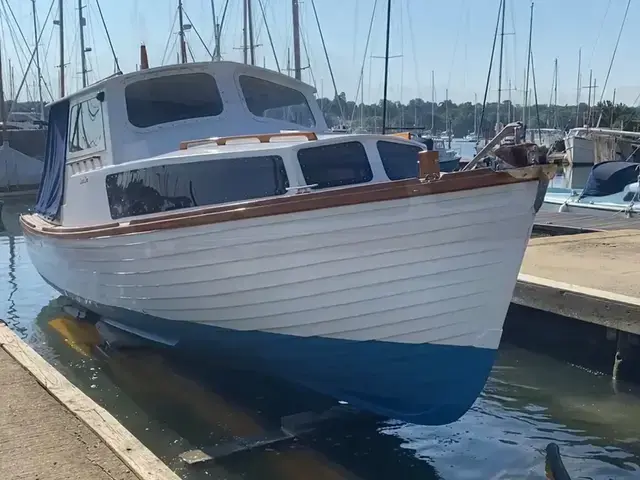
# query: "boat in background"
592,145
612,187
349,264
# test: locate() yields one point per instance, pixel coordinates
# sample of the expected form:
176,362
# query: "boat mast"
555,96
60,23
3,110
433,102
500,67
578,87
216,32
252,46
183,45
526,115
475,115
296,39
37,48
83,51
386,69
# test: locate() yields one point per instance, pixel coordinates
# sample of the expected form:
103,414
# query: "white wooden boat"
326,259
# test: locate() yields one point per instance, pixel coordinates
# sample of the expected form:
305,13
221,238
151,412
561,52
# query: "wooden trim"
142,462
369,193
262,138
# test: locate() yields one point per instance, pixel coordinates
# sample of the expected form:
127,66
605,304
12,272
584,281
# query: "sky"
451,38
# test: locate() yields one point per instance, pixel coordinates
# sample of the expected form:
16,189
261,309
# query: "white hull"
579,150
437,268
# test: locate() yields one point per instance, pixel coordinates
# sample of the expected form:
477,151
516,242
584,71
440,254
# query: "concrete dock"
591,277
50,430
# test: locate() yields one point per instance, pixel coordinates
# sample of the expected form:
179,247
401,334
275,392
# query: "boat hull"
395,306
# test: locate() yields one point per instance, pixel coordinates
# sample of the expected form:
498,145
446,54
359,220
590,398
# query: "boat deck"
51,430
572,222
589,276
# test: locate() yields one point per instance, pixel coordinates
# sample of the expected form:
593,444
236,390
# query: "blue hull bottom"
450,165
418,383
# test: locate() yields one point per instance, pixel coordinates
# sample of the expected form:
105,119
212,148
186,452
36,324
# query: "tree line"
460,118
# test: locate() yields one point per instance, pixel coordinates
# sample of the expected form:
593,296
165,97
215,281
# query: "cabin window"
183,185
86,126
335,165
272,100
400,161
159,100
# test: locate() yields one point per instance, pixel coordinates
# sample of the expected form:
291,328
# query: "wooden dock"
590,277
556,223
50,430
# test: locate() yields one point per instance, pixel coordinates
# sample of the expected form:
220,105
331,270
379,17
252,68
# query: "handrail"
261,137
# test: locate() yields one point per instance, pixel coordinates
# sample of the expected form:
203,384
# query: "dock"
51,430
556,223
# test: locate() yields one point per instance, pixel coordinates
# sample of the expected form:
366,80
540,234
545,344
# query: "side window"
184,185
172,98
335,165
86,126
399,161
271,100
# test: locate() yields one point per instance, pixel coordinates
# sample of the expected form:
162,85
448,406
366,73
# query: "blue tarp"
608,178
52,181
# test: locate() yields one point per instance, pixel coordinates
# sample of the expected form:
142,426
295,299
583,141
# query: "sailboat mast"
555,96
578,86
3,110
475,114
183,45
526,115
386,69
296,39
433,102
37,58
216,32
61,41
252,46
83,50
500,67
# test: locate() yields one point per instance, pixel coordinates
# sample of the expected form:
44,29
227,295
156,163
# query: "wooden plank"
585,222
128,448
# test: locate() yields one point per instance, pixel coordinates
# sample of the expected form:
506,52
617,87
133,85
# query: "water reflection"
175,404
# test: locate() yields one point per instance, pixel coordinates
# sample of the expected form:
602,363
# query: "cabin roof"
178,68
283,143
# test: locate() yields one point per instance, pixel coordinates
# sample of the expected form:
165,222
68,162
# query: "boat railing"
261,138
509,129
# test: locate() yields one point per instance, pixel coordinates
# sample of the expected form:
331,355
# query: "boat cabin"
130,145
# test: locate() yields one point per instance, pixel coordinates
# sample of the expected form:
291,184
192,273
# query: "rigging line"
535,96
193,59
15,42
106,30
17,25
613,57
413,51
493,50
595,45
197,34
222,24
166,47
33,54
305,41
46,54
326,54
273,48
364,55
455,48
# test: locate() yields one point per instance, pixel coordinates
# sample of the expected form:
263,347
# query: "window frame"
317,187
93,150
269,119
164,124
384,168
280,158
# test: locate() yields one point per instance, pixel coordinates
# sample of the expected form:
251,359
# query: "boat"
348,264
592,145
449,159
612,187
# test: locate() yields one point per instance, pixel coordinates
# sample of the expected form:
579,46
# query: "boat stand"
291,428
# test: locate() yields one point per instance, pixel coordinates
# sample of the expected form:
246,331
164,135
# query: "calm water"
173,405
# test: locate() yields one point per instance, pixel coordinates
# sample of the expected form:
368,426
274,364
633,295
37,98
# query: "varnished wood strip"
128,448
371,193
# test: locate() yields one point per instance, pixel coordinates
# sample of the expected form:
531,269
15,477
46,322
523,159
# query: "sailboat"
233,224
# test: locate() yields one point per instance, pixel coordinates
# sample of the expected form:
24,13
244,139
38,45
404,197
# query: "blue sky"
451,37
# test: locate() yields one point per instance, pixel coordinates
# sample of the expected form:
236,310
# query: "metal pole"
244,30
3,110
37,48
386,69
83,53
183,45
296,39
498,128
216,50
61,25
252,47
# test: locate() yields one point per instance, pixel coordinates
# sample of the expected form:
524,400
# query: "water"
173,405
